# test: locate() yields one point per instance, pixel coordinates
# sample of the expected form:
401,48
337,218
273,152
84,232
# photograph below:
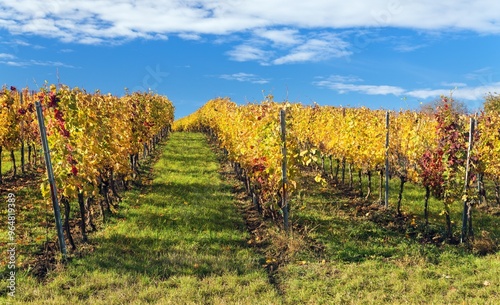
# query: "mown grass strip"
179,241
363,262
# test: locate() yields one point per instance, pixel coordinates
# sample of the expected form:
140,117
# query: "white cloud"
11,60
21,43
464,93
189,36
247,52
91,40
281,37
342,85
12,63
323,47
346,84
245,77
365,89
454,84
6,56
408,47
16,43
99,21
343,79
428,93
307,47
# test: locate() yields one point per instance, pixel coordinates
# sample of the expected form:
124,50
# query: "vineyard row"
95,140
425,148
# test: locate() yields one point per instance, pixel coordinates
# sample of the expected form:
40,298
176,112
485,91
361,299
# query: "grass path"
180,241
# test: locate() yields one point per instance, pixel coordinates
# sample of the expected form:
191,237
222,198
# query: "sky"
382,54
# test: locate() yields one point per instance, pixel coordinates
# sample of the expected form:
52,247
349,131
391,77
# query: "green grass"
34,218
455,280
413,202
366,263
7,161
179,241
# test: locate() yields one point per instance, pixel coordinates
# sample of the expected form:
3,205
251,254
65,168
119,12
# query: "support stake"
52,182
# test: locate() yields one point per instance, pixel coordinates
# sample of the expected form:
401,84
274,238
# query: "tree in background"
456,106
492,103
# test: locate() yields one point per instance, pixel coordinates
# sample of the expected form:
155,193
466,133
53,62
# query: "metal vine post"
52,182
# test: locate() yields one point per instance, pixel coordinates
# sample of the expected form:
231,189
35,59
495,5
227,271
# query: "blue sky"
387,54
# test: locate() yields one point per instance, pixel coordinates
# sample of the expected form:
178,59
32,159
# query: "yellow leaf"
45,189
320,179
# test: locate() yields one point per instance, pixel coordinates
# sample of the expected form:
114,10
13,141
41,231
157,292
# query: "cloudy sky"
378,53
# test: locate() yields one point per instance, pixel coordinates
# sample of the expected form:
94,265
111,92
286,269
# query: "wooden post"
466,217
22,134
386,201
284,203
